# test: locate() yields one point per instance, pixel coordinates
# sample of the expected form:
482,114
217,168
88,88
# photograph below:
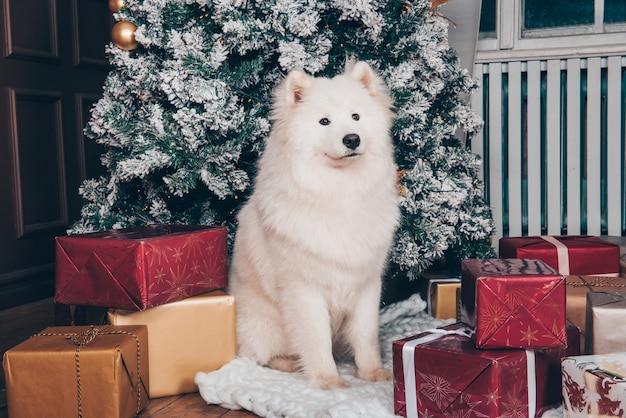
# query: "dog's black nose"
351,141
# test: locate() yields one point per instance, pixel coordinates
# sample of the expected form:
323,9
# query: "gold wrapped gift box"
576,290
99,371
442,302
193,335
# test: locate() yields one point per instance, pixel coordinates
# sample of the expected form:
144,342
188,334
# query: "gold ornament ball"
123,35
116,5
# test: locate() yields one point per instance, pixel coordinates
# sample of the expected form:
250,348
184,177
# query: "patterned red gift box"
594,386
513,303
142,267
441,373
574,254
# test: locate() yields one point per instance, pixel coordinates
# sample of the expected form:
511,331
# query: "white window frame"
512,44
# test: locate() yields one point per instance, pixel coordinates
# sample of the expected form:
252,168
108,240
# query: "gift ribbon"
408,363
531,378
408,368
595,282
561,252
80,340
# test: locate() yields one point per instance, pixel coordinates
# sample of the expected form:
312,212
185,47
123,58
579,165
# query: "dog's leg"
260,334
362,334
308,322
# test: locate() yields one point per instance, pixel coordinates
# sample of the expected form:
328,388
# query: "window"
548,18
532,28
488,19
571,16
614,11
541,14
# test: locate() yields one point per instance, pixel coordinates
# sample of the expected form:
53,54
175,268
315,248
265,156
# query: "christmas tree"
185,111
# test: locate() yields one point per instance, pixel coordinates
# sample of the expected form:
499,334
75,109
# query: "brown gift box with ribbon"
193,335
568,254
576,291
79,371
606,322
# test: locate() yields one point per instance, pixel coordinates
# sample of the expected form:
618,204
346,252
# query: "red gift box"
141,267
584,255
513,303
441,373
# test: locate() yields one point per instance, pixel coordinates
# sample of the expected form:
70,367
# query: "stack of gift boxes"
543,325
167,319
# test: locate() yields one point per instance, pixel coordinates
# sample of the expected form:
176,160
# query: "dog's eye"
324,121
356,116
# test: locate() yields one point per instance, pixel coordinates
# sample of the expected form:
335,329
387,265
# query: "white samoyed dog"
314,237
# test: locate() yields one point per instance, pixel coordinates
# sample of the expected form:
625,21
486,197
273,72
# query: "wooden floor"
17,324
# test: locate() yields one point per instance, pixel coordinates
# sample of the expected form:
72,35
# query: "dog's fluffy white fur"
313,239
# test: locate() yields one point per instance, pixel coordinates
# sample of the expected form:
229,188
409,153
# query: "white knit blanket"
242,384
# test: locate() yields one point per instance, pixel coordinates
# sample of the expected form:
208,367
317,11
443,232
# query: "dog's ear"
295,86
363,73
368,78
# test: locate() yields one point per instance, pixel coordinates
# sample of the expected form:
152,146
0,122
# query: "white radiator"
553,145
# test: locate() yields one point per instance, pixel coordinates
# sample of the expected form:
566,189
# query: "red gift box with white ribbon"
568,254
440,372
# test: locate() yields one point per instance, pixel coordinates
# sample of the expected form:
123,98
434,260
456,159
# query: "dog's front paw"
284,363
375,375
326,382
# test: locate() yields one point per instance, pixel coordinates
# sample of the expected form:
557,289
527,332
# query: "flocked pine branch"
183,117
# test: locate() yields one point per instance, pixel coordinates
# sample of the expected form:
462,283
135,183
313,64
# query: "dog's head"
339,120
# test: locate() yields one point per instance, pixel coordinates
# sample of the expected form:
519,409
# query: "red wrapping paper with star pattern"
513,303
440,373
140,267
